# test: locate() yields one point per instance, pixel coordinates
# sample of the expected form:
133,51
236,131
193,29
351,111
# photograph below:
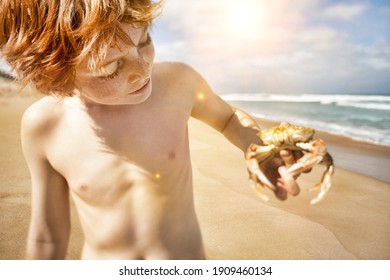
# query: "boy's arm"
50,220
241,129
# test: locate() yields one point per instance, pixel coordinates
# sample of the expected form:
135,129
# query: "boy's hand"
276,171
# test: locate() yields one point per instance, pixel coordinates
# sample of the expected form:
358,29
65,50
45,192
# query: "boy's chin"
128,99
134,98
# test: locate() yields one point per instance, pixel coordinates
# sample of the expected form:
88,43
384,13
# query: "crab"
295,138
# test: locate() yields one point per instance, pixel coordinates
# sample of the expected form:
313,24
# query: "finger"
287,157
288,182
280,192
270,169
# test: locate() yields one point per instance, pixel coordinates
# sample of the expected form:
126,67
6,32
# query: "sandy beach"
353,222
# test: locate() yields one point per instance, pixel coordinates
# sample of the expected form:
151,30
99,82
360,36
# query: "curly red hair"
43,40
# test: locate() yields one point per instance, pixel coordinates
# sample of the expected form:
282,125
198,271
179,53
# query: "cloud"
376,56
344,12
300,46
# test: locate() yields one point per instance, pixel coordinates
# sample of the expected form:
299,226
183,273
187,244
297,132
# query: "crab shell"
285,135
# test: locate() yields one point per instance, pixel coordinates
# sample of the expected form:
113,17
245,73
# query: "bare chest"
105,158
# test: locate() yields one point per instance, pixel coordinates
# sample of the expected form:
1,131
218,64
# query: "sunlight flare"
245,16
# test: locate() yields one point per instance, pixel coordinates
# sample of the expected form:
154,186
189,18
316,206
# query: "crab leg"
317,155
317,150
304,163
326,182
257,179
255,155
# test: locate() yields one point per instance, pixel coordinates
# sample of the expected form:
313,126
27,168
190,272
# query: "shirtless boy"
111,132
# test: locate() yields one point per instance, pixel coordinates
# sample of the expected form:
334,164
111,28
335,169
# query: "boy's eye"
106,70
110,68
110,76
111,71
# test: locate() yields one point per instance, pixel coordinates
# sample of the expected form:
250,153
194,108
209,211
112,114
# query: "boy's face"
124,78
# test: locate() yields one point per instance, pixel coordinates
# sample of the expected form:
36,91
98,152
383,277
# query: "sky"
280,46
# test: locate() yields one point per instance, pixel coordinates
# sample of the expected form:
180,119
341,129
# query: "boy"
112,130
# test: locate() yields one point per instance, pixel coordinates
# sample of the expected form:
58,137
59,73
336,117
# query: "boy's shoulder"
177,69
42,116
178,73
172,66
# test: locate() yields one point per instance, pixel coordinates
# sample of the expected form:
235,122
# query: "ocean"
362,117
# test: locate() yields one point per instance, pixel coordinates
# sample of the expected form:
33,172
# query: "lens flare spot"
201,96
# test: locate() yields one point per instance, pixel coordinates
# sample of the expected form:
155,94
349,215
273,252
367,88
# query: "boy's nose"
134,78
140,72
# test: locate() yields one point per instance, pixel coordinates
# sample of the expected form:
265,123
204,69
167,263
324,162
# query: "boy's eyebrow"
112,60
144,32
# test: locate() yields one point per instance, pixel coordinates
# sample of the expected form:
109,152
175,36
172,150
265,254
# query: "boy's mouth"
140,89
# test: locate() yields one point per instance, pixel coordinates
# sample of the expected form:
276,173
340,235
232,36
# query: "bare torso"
129,173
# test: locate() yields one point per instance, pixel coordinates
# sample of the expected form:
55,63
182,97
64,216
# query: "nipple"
83,188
